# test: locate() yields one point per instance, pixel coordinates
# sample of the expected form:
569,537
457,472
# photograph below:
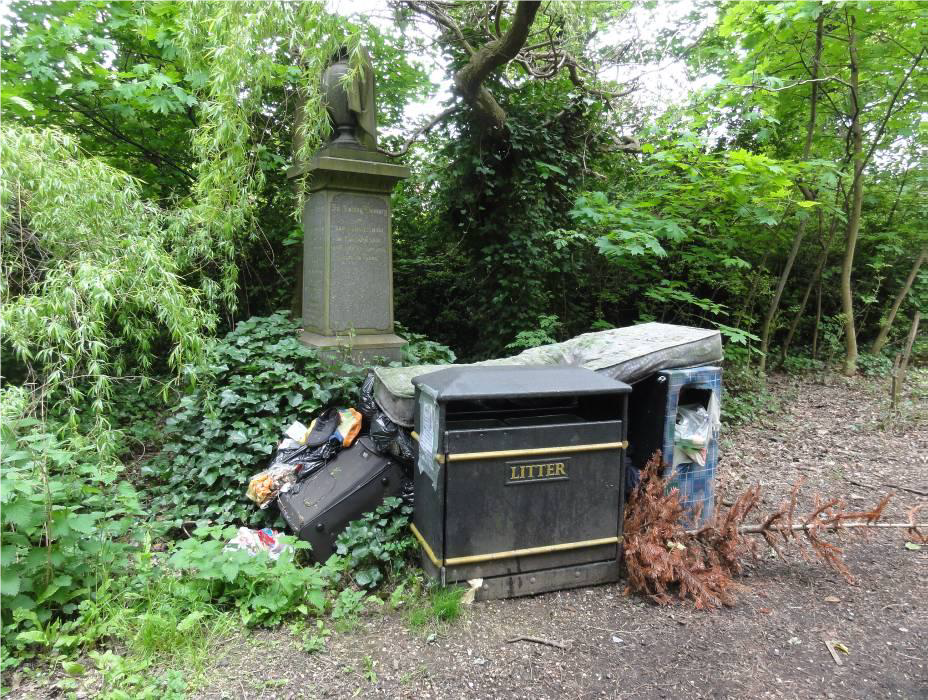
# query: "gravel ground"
835,434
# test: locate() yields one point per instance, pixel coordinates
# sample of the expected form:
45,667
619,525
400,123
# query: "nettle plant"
263,591
262,379
66,515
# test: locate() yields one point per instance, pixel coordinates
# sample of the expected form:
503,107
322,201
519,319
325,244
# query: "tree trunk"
801,230
902,361
778,292
802,305
468,81
818,320
857,192
816,277
887,324
853,219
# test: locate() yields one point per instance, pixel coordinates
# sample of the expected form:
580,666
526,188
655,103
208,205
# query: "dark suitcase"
355,482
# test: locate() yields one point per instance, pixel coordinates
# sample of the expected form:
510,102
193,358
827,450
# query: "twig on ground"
758,529
537,640
889,486
834,654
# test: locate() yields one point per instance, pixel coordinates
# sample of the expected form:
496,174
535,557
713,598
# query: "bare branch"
421,131
830,78
889,110
434,12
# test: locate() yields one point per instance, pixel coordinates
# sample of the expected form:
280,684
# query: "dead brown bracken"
666,562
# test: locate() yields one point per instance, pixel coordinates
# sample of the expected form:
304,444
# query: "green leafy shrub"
419,350
262,379
134,677
263,591
545,334
376,544
156,617
64,512
874,365
745,395
802,364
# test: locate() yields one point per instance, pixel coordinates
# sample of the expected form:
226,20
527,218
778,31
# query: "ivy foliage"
262,379
374,546
475,263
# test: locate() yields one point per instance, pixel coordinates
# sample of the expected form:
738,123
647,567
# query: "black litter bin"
519,477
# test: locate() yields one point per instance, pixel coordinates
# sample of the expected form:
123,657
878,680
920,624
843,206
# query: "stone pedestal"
347,302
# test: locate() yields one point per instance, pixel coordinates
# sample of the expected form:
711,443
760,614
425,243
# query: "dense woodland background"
146,213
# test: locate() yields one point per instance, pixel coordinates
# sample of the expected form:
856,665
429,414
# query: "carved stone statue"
346,283
351,106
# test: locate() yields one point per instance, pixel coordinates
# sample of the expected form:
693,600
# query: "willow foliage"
90,290
241,51
100,281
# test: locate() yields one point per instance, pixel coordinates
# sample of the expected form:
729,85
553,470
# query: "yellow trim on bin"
510,554
513,553
532,452
415,435
425,545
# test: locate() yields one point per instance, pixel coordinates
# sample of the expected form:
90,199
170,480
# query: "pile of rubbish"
304,451
694,429
361,439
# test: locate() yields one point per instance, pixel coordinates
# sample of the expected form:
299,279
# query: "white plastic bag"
693,427
254,541
692,434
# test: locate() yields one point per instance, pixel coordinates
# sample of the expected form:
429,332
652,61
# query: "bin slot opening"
555,419
527,411
693,395
475,424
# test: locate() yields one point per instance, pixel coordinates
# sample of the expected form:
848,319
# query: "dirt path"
837,436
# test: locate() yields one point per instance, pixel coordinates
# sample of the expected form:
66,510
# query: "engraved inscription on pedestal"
314,262
360,290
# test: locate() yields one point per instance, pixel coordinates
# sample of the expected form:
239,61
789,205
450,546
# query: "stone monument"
347,288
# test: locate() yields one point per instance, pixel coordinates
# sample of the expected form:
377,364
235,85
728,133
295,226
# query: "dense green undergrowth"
87,558
261,379
171,604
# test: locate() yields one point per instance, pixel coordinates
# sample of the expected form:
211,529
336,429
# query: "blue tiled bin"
696,483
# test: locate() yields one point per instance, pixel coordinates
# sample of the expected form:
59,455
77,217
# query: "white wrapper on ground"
250,541
627,354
